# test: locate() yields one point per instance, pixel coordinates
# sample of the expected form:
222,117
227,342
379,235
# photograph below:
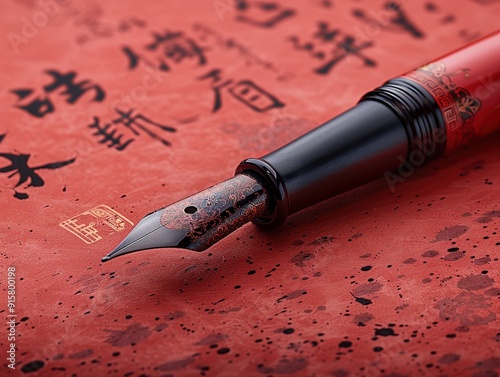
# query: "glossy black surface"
356,147
347,151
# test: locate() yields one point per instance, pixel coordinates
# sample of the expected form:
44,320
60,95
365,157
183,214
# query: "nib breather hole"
190,209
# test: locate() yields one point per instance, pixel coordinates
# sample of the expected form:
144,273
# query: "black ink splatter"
32,366
385,331
345,344
361,300
21,195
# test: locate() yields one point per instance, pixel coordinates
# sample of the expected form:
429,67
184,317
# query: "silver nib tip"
147,234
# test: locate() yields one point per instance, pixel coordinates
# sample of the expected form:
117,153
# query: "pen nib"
199,221
148,234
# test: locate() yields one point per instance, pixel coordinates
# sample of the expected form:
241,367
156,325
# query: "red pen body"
466,87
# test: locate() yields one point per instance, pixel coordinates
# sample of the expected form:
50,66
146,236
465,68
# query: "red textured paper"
371,283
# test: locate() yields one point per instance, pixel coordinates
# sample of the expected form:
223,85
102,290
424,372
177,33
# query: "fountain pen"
393,129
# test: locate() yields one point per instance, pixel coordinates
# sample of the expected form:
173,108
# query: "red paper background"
257,303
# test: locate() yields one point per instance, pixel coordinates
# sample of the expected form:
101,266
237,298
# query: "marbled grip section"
212,214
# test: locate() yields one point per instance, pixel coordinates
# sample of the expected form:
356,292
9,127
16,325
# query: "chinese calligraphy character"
141,122
19,166
109,135
174,46
397,20
344,46
72,90
134,122
37,107
127,23
265,14
244,91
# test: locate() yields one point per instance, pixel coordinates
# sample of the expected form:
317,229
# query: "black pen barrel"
354,148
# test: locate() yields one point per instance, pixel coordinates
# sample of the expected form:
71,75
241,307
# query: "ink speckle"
301,258
284,366
362,319
81,354
488,217
453,257
451,232
211,339
368,289
292,295
175,315
345,344
430,254
133,334
475,282
386,331
20,195
176,364
32,366
322,240
492,292
481,261
467,308
362,300
449,358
